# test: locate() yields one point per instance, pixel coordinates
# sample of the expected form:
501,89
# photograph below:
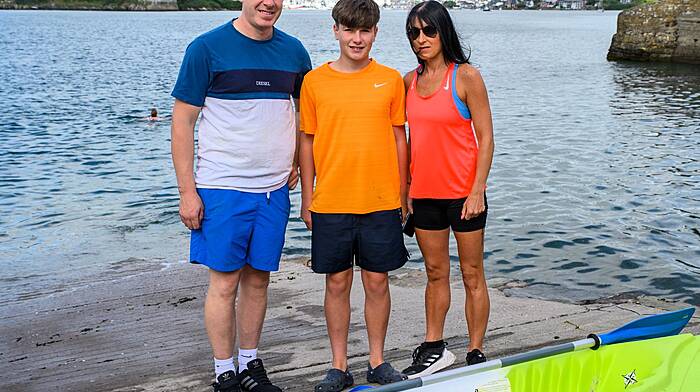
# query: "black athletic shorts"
439,214
374,241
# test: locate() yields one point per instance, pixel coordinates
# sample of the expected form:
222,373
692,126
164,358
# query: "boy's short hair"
356,13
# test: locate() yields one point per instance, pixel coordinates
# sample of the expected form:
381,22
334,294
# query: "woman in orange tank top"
451,146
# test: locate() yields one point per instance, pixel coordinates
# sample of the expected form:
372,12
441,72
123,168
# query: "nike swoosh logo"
447,84
247,356
377,85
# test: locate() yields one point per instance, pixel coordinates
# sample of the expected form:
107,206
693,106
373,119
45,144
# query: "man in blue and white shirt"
242,77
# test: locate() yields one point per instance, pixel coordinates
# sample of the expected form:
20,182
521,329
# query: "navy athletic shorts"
373,241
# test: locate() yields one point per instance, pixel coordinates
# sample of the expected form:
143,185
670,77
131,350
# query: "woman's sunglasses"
428,30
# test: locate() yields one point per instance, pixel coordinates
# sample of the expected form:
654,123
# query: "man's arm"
402,152
308,174
182,148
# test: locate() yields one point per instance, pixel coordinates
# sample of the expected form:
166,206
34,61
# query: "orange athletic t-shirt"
351,117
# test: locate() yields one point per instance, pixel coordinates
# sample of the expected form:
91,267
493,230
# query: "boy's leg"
337,311
332,244
377,308
219,312
381,249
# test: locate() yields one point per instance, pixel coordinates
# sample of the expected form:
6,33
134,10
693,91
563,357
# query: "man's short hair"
356,13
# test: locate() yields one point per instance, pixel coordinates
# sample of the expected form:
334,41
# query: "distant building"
572,4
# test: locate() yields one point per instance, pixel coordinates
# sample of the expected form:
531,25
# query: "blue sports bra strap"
462,107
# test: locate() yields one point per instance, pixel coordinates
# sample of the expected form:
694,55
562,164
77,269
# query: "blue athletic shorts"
240,228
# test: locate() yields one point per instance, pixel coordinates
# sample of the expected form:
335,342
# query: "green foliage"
209,4
128,4
449,4
91,4
617,5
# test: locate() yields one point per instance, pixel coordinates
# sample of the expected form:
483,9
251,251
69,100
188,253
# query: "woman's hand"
473,206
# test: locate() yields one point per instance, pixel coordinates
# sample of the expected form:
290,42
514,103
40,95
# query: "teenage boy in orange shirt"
354,145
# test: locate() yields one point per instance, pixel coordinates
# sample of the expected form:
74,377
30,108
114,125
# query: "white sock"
223,366
245,356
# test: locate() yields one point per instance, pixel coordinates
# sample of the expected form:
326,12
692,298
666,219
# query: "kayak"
646,355
655,365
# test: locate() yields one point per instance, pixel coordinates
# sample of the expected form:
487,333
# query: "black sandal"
336,380
384,374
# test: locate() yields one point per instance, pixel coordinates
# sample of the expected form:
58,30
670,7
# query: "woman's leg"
434,245
470,246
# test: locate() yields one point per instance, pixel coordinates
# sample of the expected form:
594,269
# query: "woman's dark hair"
435,14
154,112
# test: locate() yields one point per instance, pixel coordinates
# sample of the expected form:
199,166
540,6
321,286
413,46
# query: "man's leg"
337,310
252,305
377,308
219,312
470,246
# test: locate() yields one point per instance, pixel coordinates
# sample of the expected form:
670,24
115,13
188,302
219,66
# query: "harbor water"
594,190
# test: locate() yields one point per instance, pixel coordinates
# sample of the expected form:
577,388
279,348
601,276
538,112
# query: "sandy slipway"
145,332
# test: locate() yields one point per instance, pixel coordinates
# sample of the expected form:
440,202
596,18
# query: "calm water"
594,191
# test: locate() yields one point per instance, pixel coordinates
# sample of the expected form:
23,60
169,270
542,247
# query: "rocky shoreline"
145,332
663,31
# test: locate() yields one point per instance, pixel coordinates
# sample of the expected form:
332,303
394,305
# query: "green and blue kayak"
645,355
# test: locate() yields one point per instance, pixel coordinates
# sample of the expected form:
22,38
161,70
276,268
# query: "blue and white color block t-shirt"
247,131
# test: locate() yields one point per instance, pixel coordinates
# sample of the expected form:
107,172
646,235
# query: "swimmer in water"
153,116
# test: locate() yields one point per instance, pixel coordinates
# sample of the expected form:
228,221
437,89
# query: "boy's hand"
305,215
293,177
191,210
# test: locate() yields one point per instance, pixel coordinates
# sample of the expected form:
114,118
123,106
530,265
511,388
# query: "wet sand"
145,333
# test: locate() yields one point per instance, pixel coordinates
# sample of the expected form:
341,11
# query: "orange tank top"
444,148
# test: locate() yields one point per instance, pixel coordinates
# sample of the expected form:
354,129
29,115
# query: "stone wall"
688,49
667,30
161,5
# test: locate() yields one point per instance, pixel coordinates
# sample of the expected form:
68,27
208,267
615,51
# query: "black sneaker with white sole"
254,379
227,382
429,358
475,356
